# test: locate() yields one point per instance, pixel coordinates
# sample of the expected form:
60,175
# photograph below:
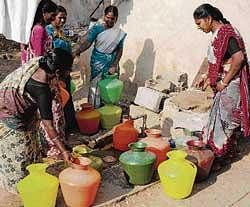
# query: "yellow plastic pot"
177,175
38,189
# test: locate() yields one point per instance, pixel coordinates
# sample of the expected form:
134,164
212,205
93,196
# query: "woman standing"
107,51
56,32
40,42
59,40
228,75
21,93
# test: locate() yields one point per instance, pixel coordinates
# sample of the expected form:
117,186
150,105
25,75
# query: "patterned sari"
230,106
19,143
103,56
40,44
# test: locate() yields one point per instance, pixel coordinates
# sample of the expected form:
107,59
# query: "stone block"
170,82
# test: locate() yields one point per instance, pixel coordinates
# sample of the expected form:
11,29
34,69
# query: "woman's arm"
81,46
37,40
237,60
48,125
87,39
41,93
114,66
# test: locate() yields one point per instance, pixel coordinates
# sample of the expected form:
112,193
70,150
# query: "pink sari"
40,43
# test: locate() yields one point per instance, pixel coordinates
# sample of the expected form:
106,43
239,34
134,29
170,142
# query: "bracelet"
204,75
222,83
55,138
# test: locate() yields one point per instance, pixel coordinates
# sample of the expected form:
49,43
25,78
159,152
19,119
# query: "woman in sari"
107,50
40,42
21,93
59,40
228,74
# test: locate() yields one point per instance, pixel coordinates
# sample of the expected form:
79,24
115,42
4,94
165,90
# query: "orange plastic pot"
124,134
88,119
79,183
156,144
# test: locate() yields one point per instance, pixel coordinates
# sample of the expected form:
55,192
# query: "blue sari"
58,39
107,41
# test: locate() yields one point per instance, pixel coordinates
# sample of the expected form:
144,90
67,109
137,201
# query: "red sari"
230,108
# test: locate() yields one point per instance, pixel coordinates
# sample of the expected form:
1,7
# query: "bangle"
204,75
55,138
222,83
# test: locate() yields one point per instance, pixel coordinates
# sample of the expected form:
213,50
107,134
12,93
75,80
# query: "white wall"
162,36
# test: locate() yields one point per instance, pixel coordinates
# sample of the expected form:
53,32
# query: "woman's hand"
67,157
203,82
220,86
112,69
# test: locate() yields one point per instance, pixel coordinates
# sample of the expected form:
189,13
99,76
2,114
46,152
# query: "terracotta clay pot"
79,183
156,144
153,132
202,157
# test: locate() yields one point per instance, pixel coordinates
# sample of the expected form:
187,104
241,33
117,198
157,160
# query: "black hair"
58,59
206,10
112,9
61,9
43,7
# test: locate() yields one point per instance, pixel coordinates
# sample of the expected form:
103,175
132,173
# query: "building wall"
80,10
162,37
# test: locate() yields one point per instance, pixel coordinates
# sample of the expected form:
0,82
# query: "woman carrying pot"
107,50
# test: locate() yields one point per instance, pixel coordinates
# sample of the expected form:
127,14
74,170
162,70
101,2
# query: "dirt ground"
9,56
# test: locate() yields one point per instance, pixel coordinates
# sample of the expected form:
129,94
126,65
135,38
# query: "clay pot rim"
153,132
81,163
177,154
195,144
86,106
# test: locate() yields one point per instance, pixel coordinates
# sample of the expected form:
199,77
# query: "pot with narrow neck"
201,156
156,144
38,188
124,134
79,183
138,164
177,175
88,119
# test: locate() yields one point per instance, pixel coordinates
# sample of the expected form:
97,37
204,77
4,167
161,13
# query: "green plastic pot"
110,88
72,87
138,164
